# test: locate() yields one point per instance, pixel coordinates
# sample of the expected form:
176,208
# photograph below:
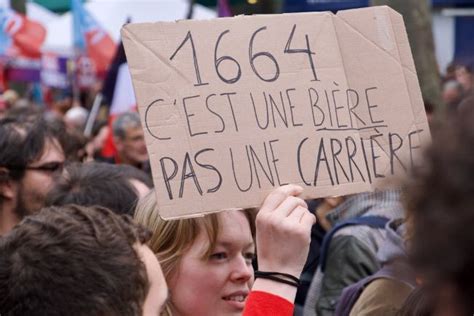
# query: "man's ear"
118,143
7,185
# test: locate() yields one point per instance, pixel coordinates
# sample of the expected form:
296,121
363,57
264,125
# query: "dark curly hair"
440,209
73,260
94,183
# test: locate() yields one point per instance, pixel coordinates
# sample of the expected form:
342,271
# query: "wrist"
279,277
282,268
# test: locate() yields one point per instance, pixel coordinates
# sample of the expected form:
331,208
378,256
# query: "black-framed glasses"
50,167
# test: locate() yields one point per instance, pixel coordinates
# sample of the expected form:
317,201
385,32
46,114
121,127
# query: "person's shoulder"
349,246
382,296
110,160
467,102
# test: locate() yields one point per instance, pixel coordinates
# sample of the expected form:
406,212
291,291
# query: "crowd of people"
81,233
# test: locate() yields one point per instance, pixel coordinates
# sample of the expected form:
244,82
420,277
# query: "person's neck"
323,210
8,219
121,159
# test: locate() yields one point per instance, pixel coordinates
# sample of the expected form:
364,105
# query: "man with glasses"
30,158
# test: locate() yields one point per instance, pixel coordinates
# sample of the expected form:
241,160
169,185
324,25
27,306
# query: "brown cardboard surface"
232,107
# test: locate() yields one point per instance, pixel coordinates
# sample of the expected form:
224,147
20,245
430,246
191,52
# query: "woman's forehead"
233,225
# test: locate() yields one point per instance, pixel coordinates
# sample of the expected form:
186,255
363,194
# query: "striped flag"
118,94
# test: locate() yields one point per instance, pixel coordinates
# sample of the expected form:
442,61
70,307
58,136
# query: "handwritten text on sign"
235,107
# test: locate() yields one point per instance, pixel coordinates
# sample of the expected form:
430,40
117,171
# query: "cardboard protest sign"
234,107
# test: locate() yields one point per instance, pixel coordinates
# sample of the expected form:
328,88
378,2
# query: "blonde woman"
207,262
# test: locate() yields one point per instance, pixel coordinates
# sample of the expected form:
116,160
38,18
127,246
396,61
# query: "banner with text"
234,107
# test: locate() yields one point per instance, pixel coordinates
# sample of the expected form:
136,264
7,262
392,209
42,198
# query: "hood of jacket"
379,203
394,246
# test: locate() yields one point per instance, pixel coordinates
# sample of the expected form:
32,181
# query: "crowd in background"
81,232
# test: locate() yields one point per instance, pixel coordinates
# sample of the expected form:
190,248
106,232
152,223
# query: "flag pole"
74,66
93,114
190,13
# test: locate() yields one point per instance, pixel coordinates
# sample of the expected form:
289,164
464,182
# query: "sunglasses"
50,167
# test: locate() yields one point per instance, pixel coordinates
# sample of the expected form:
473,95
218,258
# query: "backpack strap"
351,293
371,221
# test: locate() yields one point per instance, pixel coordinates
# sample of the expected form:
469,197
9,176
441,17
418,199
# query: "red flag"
100,48
26,36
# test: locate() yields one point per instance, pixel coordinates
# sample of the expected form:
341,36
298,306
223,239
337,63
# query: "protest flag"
118,90
5,40
90,38
118,93
19,36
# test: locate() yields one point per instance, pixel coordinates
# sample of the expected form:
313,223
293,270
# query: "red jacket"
264,304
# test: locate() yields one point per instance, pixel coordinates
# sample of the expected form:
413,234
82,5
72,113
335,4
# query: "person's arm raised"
283,237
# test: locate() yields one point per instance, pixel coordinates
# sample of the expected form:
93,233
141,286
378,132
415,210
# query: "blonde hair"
172,238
